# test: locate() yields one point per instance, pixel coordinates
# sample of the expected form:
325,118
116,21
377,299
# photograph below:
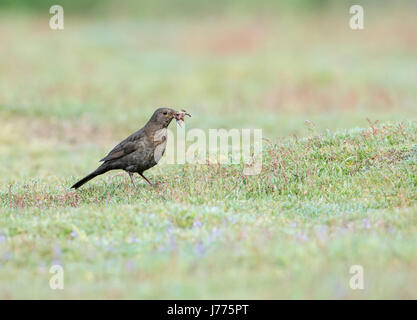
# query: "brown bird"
141,150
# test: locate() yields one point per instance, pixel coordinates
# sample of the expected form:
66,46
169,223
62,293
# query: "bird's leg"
145,179
131,179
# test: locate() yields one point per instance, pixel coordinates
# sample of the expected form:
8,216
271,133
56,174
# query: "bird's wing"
129,145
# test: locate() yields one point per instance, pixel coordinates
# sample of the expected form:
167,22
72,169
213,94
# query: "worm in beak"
179,116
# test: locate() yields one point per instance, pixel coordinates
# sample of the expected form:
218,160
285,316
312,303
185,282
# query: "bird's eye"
165,113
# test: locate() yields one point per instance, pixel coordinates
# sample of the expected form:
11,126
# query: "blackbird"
142,149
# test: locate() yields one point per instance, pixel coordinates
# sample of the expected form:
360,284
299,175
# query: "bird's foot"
146,179
131,179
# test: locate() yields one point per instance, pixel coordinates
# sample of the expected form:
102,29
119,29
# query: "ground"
338,185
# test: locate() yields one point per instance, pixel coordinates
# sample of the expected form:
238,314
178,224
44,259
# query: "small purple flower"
133,240
231,219
321,232
2,238
197,223
301,237
293,224
7,256
111,248
173,243
170,228
74,234
57,250
216,233
56,253
366,223
130,265
199,249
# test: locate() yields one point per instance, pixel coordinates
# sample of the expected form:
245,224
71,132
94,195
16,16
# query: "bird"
141,150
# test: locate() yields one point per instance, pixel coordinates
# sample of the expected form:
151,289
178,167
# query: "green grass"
321,204
334,192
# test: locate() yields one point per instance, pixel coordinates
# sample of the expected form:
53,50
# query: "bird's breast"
160,135
160,139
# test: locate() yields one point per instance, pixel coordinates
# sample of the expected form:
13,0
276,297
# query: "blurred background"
232,64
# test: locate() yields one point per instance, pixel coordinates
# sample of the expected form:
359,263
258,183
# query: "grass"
335,192
322,203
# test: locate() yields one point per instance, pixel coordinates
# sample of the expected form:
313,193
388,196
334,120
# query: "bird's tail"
98,171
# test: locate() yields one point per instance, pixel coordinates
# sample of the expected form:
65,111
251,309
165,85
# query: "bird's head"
162,117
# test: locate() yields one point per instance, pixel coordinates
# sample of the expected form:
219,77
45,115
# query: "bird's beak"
179,116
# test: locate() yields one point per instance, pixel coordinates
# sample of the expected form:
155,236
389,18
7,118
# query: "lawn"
338,185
